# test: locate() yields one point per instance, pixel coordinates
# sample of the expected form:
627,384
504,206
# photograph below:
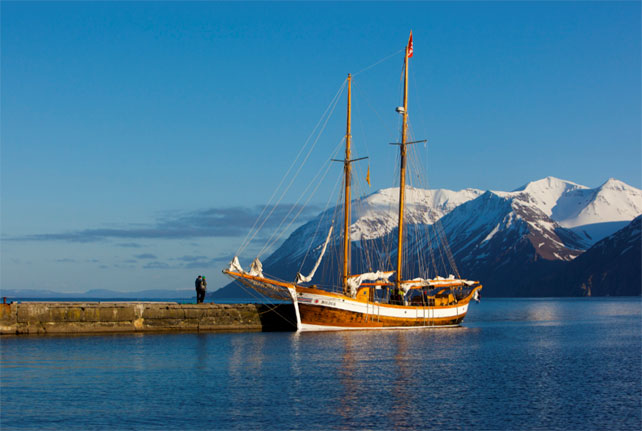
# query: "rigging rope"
274,237
326,114
336,183
379,62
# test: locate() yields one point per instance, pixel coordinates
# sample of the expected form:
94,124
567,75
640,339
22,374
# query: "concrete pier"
113,317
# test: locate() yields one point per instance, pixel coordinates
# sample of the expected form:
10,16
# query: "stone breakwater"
113,317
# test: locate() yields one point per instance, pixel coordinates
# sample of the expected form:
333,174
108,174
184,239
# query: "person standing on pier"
200,290
204,289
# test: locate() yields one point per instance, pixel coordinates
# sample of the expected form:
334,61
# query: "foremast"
346,169
402,169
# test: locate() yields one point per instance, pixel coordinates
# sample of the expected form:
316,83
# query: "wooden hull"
328,319
320,311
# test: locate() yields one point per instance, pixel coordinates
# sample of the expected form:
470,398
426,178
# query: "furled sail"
355,281
235,265
406,285
256,269
300,278
434,282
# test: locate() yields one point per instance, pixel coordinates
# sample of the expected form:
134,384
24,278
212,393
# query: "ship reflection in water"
516,364
398,382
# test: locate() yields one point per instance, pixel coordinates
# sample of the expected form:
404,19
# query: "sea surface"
516,364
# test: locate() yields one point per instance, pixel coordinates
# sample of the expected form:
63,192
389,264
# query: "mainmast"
346,169
402,170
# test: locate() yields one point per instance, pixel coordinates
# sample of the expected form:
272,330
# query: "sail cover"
300,278
355,281
405,286
435,282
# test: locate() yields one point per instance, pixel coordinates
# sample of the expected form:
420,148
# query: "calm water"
517,364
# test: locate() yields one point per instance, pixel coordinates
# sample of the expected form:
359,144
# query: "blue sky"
140,140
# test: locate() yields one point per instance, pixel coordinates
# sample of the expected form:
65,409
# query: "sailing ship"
371,300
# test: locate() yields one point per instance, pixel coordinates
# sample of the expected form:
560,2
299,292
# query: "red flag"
409,48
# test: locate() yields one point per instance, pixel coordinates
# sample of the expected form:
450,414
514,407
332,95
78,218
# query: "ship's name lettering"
328,302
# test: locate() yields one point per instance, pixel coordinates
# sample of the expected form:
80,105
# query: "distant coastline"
98,294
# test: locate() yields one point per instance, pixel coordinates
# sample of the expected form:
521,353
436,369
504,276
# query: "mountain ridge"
533,229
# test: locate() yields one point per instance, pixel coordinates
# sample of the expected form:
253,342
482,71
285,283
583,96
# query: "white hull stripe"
375,309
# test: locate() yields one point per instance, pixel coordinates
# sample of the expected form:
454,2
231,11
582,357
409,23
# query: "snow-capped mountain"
591,213
548,212
511,241
376,215
500,223
504,239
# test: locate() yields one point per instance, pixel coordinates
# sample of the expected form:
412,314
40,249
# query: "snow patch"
491,234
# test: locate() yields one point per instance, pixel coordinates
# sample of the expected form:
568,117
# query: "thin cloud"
212,222
222,259
192,262
129,245
156,265
145,256
191,258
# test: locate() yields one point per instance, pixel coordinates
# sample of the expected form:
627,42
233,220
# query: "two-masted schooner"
372,300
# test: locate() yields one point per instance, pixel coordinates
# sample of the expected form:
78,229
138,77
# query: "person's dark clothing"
200,290
200,296
203,289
